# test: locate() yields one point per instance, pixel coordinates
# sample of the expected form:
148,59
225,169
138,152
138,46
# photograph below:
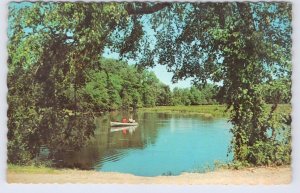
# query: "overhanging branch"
145,8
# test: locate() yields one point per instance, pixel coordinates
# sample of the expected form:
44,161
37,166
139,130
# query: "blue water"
162,144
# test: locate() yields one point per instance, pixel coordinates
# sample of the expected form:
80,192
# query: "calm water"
162,144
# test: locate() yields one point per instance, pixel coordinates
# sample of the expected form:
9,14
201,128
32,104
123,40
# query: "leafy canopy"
244,47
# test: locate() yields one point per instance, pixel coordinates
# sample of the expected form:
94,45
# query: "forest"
238,54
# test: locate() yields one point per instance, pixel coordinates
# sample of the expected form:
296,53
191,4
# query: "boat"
120,124
131,129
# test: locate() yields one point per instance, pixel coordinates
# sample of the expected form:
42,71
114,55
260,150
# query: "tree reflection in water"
107,142
161,143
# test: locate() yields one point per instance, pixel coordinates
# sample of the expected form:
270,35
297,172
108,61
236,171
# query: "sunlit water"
162,144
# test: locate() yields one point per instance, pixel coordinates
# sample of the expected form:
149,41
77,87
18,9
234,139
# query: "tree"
48,59
96,91
196,97
239,45
164,96
176,97
150,87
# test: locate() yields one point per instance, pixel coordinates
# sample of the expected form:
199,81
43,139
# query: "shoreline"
207,111
251,176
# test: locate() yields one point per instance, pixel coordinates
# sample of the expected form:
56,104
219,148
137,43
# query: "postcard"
149,92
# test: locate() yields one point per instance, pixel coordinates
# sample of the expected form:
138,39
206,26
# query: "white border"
74,188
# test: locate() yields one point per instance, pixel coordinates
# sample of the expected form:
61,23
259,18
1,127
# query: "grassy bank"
31,169
208,111
205,110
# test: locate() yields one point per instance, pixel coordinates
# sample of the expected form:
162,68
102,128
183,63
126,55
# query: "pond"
162,144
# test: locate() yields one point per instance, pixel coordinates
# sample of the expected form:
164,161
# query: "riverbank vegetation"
31,169
209,111
238,54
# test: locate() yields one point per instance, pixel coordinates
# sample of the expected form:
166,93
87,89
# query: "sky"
166,77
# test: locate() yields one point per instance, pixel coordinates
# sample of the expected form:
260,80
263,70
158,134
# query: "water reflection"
161,143
124,130
104,145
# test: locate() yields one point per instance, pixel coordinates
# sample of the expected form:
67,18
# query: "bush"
270,153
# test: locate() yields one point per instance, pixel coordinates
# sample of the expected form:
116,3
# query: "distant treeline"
119,85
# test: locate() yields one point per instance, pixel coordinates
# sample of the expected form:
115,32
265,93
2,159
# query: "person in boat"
131,120
124,120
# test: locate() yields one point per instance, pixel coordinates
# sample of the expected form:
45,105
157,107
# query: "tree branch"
246,15
145,8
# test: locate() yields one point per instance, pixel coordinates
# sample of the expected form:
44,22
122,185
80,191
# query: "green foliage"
245,47
207,111
164,96
57,76
96,90
48,56
195,96
31,169
270,153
